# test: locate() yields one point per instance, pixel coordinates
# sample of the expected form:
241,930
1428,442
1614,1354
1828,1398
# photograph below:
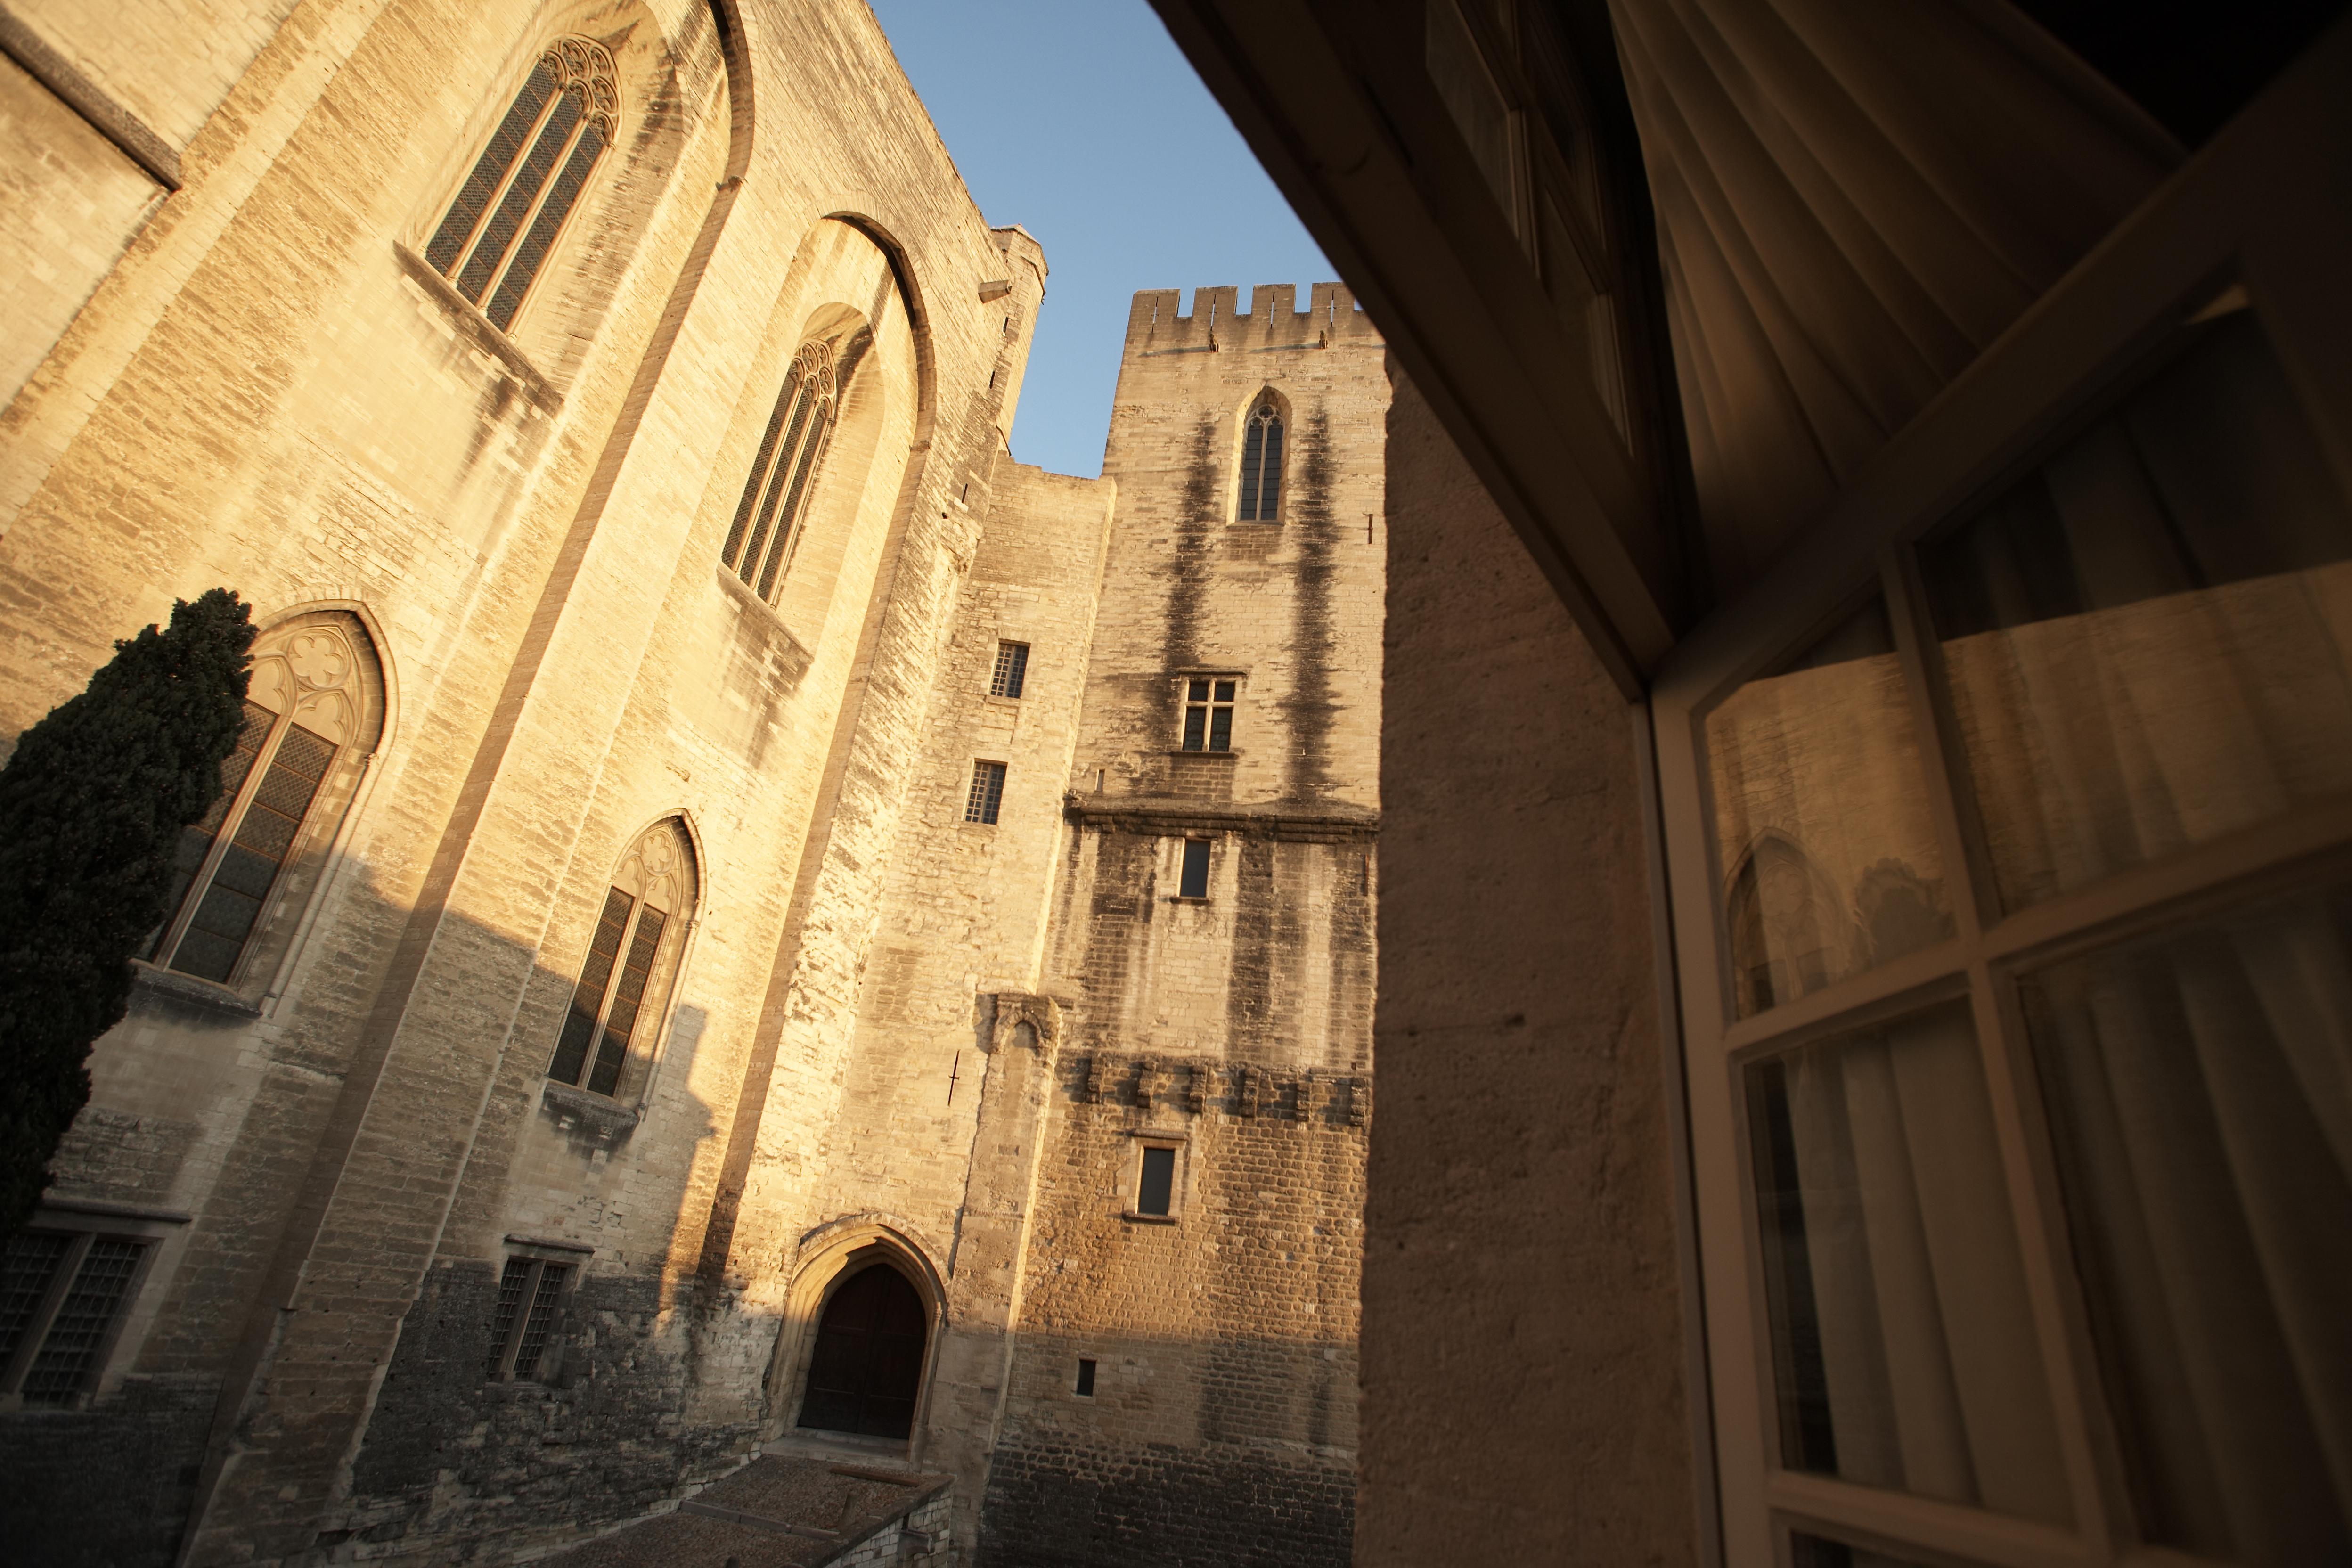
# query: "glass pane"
449,241
1472,98
1902,1345
2147,638
498,234
502,1315
69,1354
542,1321
29,1267
225,918
1822,819
1157,1182
2199,1085
588,996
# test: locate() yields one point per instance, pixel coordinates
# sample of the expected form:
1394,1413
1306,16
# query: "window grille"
524,1318
1262,464
621,980
308,702
512,209
1209,714
1193,882
766,531
61,1298
987,792
1012,669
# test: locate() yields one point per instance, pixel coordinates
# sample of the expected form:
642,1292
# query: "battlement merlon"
1332,316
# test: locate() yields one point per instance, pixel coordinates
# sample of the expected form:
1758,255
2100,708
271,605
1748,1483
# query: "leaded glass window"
312,705
769,519
513,208
1262,464
62,1297
623,986
987,794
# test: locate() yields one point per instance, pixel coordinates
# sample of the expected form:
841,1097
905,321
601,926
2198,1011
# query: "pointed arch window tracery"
769,518
507,215
1261,499
313,711
625,980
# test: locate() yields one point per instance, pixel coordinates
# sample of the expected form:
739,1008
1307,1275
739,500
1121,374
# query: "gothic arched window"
512,207
313,711
625,980
767,527
1262,464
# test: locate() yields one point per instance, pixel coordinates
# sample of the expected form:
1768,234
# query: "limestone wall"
1512,1412
1238,1026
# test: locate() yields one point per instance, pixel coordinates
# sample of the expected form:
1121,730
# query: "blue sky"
1079,120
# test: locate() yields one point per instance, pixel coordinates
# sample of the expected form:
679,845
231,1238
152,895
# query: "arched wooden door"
868,1363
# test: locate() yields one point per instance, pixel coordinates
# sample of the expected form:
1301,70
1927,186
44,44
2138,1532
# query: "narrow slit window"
623,979
771,516
1085,1386
507,215
62,1296
1194,882
1155,1185
987,792
307,701
1262,464
1209,714
523,1318
1012,669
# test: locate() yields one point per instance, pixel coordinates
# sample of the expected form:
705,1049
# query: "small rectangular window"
987,792
61,1298
1209,714
523,1318
1085,1387
1012,669
1156,1184
1194,882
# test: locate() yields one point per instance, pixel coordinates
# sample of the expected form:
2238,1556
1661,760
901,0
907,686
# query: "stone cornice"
1317,822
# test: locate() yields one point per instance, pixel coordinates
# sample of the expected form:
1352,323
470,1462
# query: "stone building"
742,918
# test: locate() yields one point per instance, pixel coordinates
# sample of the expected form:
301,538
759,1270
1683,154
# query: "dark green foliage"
91,805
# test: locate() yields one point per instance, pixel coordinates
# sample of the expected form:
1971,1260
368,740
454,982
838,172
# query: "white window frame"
2255,208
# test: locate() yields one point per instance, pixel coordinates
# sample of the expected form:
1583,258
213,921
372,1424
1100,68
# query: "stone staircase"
787,1511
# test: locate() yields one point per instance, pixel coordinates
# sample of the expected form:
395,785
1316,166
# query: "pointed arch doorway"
867,1366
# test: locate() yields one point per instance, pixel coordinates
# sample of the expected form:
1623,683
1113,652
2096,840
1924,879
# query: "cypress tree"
91,805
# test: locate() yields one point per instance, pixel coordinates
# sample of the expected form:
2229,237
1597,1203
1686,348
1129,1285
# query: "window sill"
1149,1218
595,1113
1188,899
188,990
796,656
1228,751
476,331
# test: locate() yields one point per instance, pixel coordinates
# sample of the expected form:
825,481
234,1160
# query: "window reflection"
2147,638
1822,819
